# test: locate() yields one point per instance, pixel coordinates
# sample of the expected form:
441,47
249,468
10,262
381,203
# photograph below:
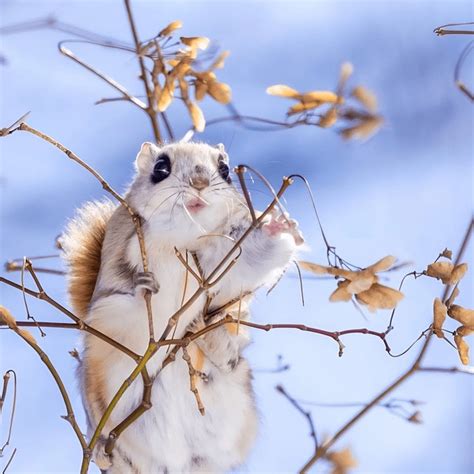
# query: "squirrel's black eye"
162,169
223,169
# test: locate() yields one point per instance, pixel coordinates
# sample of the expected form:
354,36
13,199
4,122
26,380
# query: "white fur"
173,436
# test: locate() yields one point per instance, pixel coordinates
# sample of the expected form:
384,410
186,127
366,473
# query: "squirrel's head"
183,189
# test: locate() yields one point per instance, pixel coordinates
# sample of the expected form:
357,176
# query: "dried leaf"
219,91
458,273
379,297
28,336
200,89
302,107
319,96
463,349
446,253
362,281
181,68
167,94
219,62
329,118
7,318
313,267
441,270
362,130
346,71
366,98
173,26
323,270
383,264
416,418
439,315
281,90
463,315
342,461
464,331
341,293
454,294
196,42
197,116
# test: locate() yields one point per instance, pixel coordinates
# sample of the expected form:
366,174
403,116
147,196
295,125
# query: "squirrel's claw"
145,281
282,223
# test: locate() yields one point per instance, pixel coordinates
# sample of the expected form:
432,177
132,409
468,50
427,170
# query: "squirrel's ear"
148,152
223,153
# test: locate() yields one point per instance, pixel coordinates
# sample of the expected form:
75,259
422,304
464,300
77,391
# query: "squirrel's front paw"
145,281
281,223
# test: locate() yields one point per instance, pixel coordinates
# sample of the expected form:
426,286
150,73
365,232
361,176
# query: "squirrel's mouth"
196,204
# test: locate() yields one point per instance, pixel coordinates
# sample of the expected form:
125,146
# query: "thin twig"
192,381
396,383
28,338
306,414
143,75
6,379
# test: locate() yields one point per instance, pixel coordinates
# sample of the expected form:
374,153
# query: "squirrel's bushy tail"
81,243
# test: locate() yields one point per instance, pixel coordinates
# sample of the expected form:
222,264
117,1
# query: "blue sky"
406,192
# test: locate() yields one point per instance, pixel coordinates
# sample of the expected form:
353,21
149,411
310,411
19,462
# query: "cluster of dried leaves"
176,67
341,461
451,274
361,121
362,284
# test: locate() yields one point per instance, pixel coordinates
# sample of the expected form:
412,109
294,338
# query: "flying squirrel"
185,197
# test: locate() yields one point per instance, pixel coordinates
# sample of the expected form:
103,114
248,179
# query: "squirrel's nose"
199,182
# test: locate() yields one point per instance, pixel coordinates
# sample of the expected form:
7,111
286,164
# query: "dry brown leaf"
302,107
313,267
382,264
463,315
281,90
454,294
379,297
200,89
362,281
346,71
196,42
458,273
219,91
197,116
319,96
28,336
181,68
439,315
416,418
342,461
440,270
173,26
463,349
323,270
446,253
341,293
464,331
7,318
362,130
366,98
329,118
219,61
167,94
363,284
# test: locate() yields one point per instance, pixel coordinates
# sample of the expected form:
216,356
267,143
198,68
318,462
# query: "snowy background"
406,192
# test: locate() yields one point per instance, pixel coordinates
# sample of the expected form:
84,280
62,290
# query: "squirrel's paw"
145,281
281,223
